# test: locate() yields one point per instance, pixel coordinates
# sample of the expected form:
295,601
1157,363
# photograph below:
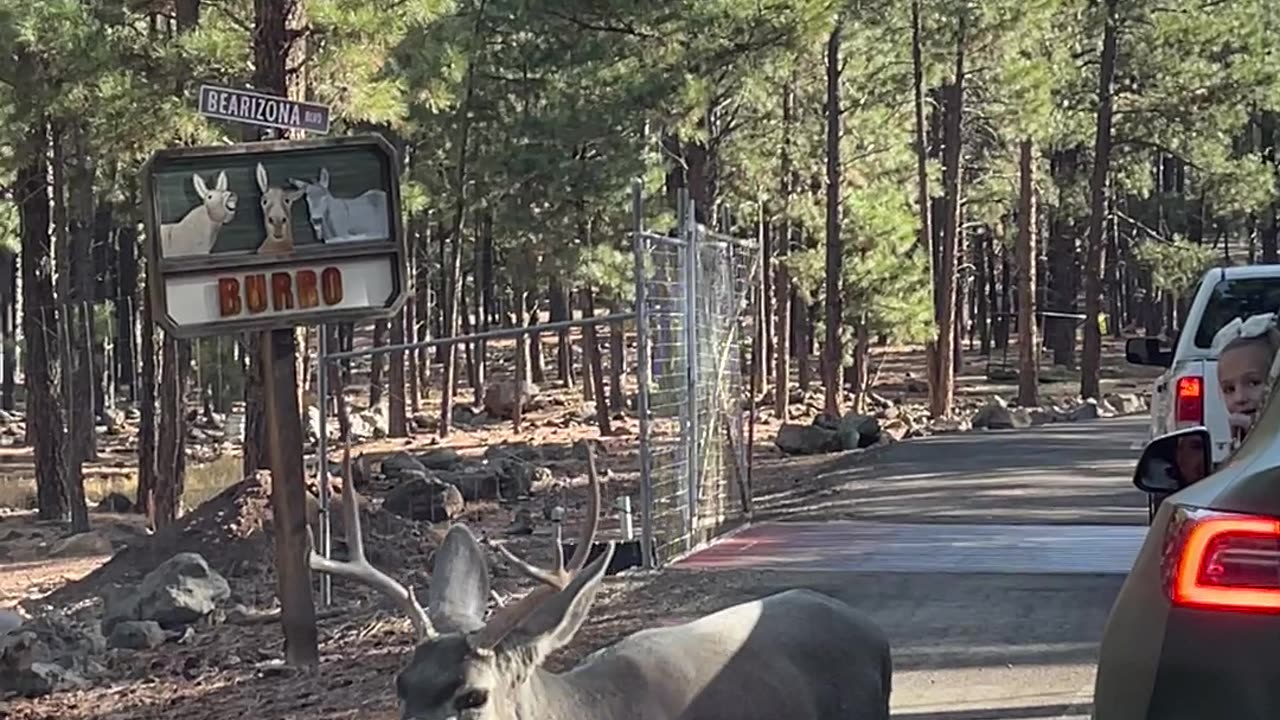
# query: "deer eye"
470,700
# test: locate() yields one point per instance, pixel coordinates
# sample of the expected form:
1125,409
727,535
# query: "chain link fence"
693,293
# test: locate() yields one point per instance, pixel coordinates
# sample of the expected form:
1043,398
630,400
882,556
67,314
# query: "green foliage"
1175,266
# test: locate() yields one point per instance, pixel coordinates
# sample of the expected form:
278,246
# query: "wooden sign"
274,234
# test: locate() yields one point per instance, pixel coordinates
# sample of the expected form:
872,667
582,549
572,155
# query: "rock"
518,477
425,498
895,429
10,621
949,425
367,425
398,466
313,422
116,503
1041,416
994,415
440,459
1126,403
519,450
795,439
522,524
82,545
501,398
24,671
182,590
480,483
1021,417
465,415
136,635
914,385
858,431
1088,410
423,421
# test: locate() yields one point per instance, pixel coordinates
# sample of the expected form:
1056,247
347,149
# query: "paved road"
991,559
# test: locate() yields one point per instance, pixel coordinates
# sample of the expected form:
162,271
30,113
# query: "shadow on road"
1011,713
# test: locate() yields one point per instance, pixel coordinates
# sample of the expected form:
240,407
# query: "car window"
1237,298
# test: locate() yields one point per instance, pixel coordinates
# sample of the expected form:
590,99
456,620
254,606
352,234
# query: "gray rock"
398,466
1126,403
423,421
25,670
994,415
896,429
440,459
136,635
425,497
117,503
182,590
795,439
82,545
10,621
1041,416
942,426
1088,410
858,431
502,398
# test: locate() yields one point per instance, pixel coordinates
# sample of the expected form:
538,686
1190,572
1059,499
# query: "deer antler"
508,618
357,567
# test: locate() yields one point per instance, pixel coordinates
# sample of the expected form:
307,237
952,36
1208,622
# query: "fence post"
322,461
688,233
639,246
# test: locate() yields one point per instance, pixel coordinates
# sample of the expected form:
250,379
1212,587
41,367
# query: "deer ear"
222,180
459,591
198,182
262,178
324,178
556,621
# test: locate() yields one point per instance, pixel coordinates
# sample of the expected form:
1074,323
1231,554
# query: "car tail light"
1223,561
1189,404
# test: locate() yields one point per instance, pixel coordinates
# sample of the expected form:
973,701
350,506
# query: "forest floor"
224,667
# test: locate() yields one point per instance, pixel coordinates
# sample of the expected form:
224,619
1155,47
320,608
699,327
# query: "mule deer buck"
197,231
277,221
798,654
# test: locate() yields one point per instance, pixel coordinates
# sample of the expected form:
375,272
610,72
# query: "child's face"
1242,376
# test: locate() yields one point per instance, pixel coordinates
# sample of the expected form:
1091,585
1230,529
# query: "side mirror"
1174,461
1146,351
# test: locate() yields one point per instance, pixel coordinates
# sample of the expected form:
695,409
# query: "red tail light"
1223,561
1189,404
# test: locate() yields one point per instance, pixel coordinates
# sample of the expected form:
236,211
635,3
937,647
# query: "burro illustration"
798,654
335,219
277,221
197,231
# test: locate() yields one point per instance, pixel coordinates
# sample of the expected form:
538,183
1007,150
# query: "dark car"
1195,631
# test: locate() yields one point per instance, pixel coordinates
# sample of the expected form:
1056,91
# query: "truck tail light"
1223,561
1189,400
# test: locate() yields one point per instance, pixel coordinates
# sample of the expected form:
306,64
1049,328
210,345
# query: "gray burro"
797,654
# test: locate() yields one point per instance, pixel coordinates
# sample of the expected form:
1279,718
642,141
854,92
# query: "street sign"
255,108
269,235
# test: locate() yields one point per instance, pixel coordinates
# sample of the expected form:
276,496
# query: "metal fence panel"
692,294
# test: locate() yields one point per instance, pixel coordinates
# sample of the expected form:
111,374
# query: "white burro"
794,655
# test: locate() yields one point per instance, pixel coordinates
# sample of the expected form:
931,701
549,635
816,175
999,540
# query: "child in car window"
1246,351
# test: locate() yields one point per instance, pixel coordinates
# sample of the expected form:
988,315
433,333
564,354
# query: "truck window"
1241,298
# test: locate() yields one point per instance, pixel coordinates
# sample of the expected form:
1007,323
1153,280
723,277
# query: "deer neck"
570,696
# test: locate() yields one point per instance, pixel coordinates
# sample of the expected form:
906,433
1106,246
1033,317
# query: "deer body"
798,654
197,231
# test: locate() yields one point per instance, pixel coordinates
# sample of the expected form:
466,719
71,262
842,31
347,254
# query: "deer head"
277,204
219,203
466,667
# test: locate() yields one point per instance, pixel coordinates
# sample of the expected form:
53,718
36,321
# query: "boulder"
896,429
942,426
440,459
858,431
25,671
994,415
402,465
1126,403
502,397
480,482
10,621
82,545
182,590
796,439
136,635
423,421
116,503
1041,416
1088,410
424,497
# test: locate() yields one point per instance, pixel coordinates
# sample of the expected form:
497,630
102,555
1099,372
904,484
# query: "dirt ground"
224,669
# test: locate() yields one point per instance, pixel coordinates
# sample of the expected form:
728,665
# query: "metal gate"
693,327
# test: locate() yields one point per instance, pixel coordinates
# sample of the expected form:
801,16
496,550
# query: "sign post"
265,237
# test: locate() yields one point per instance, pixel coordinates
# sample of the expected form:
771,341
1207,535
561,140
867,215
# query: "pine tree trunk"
484,300
783,292
8,310
942,396
1028,346
78,323
451,313
922,177
39,322
1064,285
832,350
617,366
595,365
981,281
147,466
803,325
377,365
171,450
559,306
1091,363
397,423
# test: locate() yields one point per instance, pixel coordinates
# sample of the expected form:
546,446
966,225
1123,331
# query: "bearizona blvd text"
279,291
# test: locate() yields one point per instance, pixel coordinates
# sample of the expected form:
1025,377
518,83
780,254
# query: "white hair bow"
1255,326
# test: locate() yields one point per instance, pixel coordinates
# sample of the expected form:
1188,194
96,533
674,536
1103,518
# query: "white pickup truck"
1187,394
